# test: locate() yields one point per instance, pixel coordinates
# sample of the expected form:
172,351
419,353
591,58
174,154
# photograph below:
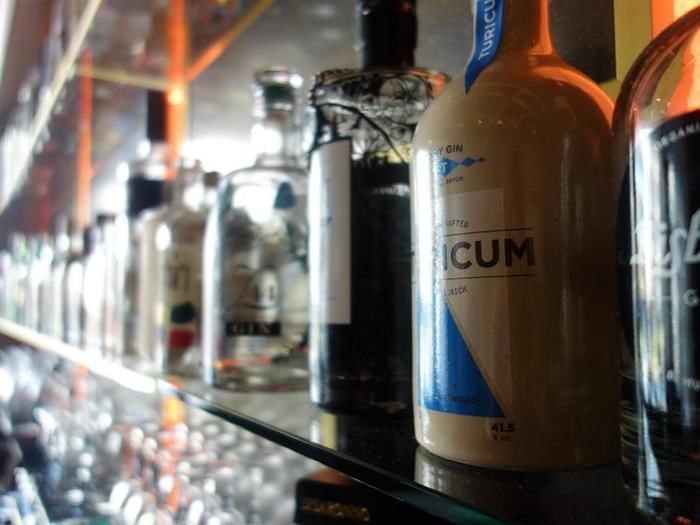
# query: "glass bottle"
361,123
40,258
58,269
145,193
254,282
95,286
16,287
656,126
178,280
5,279
73,287
47,257
514,210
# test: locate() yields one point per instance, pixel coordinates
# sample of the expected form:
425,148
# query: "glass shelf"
381,452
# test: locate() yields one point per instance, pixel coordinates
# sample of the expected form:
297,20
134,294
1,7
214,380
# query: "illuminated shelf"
64,71
97,365
380,452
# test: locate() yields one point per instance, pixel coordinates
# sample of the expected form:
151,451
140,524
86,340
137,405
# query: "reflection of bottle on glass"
255,284
514,210
178,281
361,125
657,129
585,496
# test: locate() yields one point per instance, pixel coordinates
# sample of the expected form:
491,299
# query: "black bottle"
361,123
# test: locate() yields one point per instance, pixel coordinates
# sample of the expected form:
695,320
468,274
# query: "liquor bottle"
95,286
41,253
73,287
143,282
361,126
177,296
58,269
514,212
18,276
657,126
255,289
146,189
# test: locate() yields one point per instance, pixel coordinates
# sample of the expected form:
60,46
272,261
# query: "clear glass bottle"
361,123
95,277
5,279
178,281
254,282
41,256
657,133
16,286
73,287
513,214
47,257
146,189
62,246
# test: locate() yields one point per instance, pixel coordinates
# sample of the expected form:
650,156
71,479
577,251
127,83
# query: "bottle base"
355,397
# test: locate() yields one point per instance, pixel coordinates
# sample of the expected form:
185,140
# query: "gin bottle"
361,125
657,129
255,284
177,291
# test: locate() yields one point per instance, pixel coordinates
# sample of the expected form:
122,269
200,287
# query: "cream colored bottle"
515,358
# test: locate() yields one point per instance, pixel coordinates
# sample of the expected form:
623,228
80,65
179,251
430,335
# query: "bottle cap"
275,89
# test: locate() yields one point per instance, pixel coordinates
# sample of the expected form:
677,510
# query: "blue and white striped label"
488,26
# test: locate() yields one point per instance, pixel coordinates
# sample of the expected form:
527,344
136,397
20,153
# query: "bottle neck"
387,33
274,139
526,28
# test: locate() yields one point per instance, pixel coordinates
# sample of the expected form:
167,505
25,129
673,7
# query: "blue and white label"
465,334
488,26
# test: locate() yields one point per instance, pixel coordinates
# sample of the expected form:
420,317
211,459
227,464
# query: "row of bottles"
506,224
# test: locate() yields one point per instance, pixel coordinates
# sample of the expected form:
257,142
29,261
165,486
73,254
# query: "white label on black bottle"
329,229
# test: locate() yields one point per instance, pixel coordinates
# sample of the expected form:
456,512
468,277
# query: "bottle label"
488,25
329,228
661,274
253,305
180,300
477,255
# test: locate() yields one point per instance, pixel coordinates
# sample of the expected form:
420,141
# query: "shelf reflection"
577,497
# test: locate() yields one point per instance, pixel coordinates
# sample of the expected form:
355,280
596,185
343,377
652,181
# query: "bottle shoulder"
265,177
540,93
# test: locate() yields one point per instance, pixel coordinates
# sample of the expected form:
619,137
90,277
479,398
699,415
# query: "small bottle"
361,125
95,287
255,284
73,287
61,254
657,131
146,189
177,291
514,213
16,286
41,255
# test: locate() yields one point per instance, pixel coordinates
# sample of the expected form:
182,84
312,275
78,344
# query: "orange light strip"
177,87
662,15
84,149
218,46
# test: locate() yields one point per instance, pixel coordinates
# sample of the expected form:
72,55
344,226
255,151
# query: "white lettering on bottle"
489,28
664,252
